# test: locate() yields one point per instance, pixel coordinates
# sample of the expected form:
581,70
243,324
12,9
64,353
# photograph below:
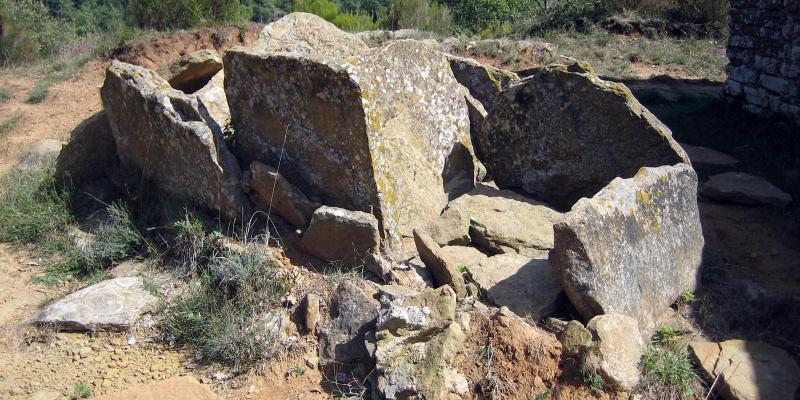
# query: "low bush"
9,124
669,374
5,95
329,11
35,211
425,15
194,245
185,14
29,32
221,317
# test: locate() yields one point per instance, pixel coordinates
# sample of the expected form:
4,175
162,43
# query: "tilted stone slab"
115,304
339,235
163,133
280,196
747,370
564,133
742,188
484,82
376,130
90,152
634,247
504,221
527,286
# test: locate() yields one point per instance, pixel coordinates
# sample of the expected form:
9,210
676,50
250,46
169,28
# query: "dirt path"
67,104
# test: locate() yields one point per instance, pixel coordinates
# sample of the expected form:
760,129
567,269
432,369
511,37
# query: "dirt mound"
161,50
506,358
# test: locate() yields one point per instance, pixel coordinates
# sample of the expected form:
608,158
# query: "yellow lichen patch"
644,198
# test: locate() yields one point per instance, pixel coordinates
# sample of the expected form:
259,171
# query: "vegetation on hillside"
32,29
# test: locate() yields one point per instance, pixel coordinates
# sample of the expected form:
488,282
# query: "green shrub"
669,374
570,14
354,22
115,240
82,391
185,14
329,11
194,246
476,16
220,316
33,210
8,125
326,9
29,32
417,14
5,95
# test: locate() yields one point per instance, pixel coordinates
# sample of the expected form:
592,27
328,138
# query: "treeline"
30,29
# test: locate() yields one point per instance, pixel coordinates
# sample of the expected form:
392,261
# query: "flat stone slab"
115,305
741,188
527,286
180,388
748,370
705,158
503,221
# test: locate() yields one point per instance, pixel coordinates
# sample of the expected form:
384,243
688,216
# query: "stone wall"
764,53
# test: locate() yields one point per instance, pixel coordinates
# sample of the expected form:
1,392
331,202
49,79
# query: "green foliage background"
33,29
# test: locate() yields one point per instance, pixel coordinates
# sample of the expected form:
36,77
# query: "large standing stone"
634,247
335,234
90,152
376,130
444,270
416,342
564,133
192,71
286,200
161,132
738,187
115,304
748,370
504,221
617,349
527,286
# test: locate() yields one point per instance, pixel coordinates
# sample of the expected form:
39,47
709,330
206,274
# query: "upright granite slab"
381,130
161,132
634,247
564,133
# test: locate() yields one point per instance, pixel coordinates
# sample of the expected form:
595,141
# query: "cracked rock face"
564,133
166,135
416,340
617,349
382,130
634,247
